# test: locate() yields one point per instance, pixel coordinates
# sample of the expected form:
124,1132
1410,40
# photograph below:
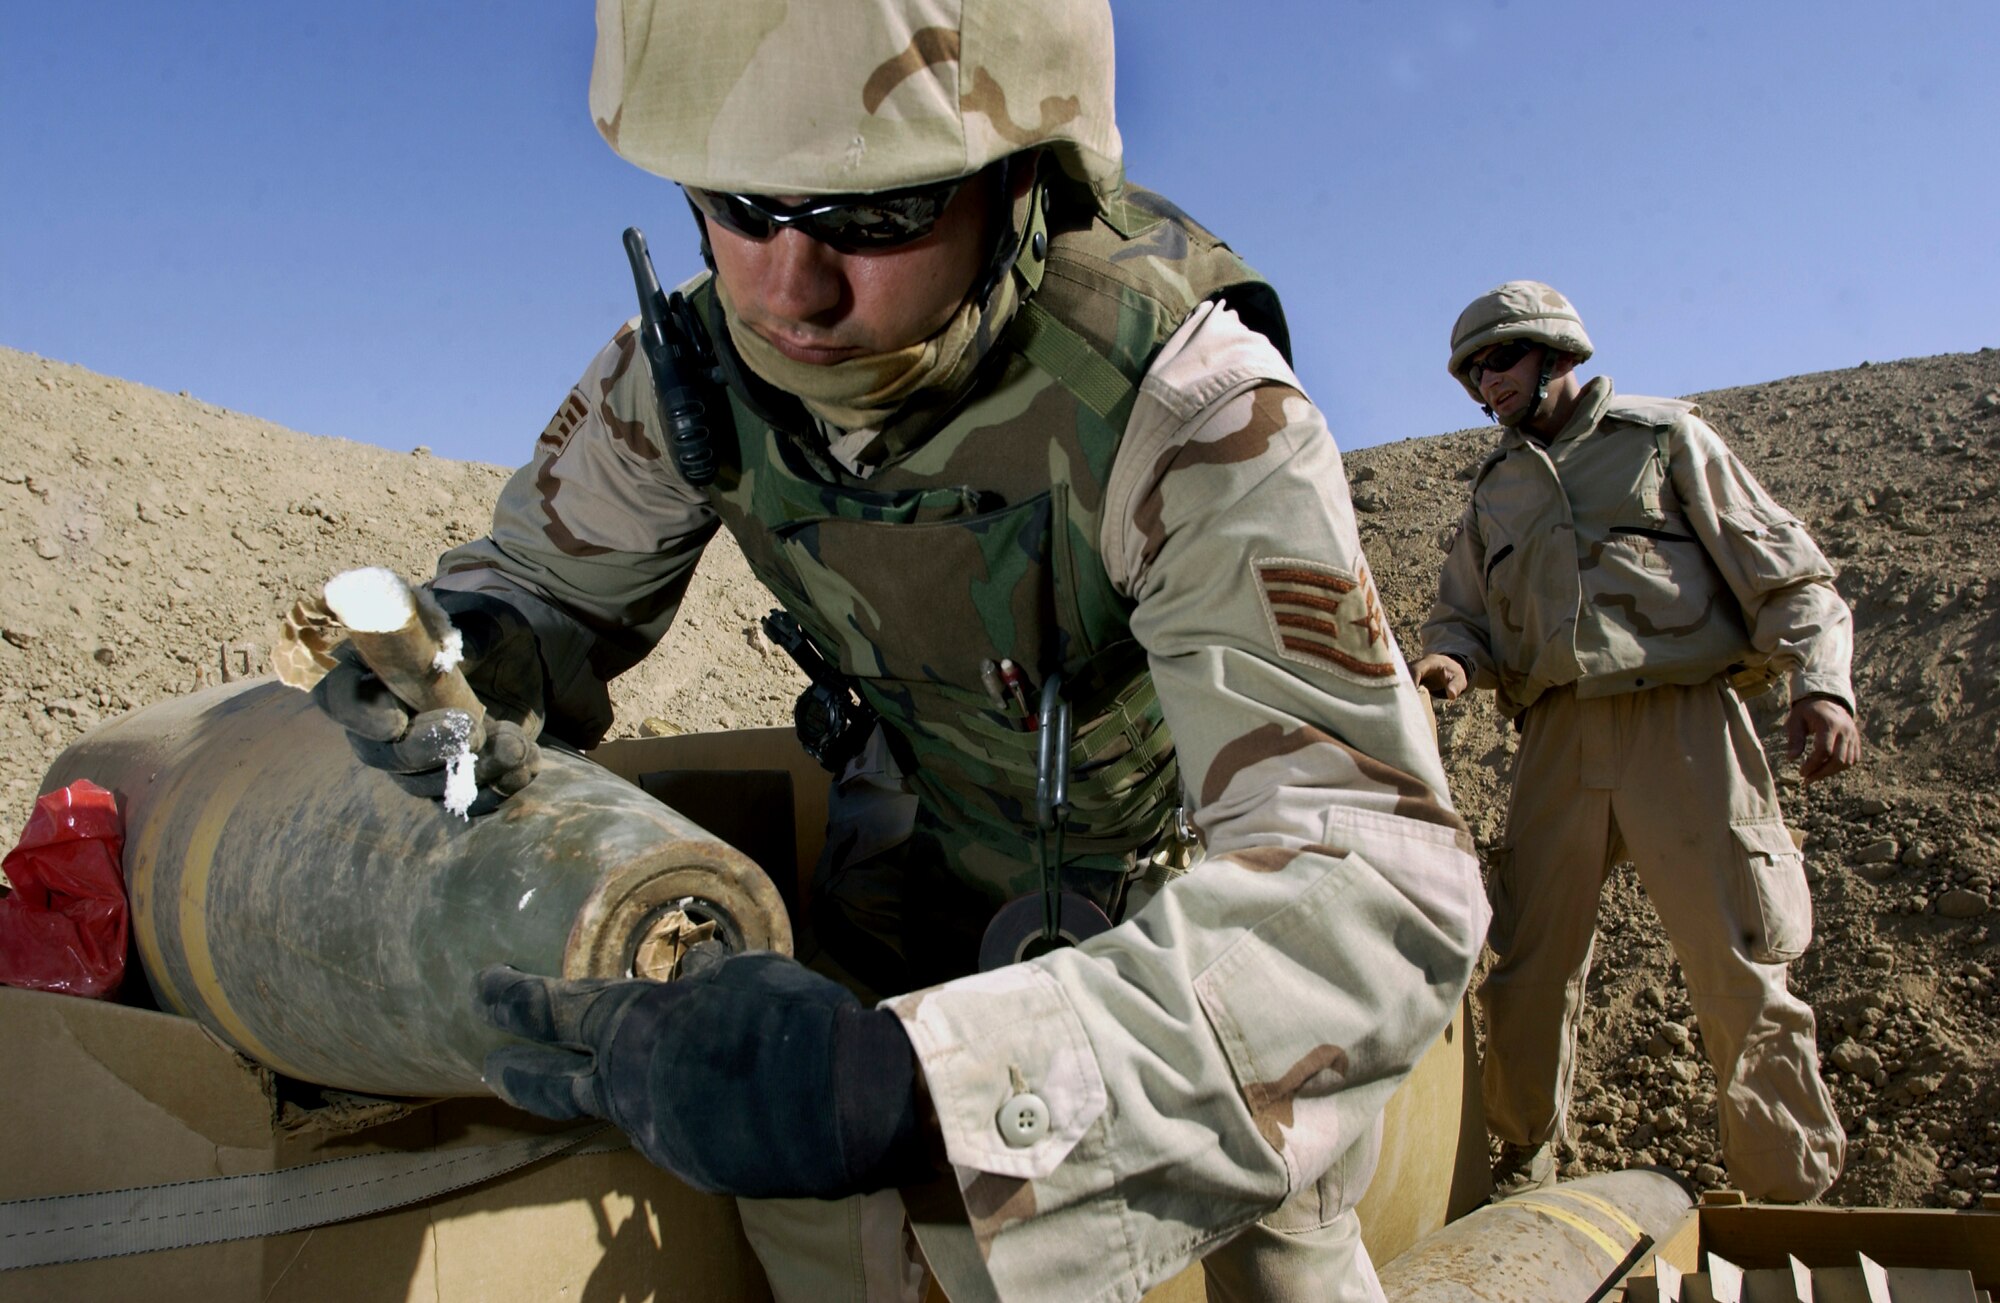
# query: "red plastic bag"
66,925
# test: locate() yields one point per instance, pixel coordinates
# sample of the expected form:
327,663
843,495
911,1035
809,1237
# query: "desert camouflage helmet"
848,96
1516,310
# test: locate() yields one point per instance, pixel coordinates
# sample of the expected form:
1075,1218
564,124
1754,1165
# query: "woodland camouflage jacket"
1634,550
1228,1049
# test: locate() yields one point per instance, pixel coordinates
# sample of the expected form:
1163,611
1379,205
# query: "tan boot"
1523,1168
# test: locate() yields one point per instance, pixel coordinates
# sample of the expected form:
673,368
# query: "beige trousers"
1675,779
857,1250
861,1251
1324,1264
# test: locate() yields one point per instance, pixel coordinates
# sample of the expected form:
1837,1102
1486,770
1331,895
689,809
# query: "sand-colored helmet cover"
1516,310
846,96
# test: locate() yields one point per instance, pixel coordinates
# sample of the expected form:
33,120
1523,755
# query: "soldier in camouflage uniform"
1621,580
987,402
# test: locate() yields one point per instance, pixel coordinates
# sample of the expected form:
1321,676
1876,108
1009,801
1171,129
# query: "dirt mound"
152,541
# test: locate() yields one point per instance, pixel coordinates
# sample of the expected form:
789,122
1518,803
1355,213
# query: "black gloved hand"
502,663
753,1076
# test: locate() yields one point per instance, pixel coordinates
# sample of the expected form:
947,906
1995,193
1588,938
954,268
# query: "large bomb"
328,924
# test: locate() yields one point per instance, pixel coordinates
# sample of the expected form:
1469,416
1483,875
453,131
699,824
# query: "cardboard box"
100,1097
672,768
1760,1236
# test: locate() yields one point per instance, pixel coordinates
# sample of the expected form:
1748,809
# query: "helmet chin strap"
1007,237
701,225
1527,417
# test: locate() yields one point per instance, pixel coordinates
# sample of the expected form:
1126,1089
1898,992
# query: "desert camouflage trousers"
862,1250
1674,779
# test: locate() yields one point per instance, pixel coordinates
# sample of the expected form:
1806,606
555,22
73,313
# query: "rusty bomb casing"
323,921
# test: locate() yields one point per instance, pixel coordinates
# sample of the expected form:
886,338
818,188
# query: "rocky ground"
149,543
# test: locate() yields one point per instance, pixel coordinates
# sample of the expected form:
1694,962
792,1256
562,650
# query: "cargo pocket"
1774,547
1777,916
1500,894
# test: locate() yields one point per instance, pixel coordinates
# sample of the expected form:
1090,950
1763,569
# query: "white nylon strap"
81,1227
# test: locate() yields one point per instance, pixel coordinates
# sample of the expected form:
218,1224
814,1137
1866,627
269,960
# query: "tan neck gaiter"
866,391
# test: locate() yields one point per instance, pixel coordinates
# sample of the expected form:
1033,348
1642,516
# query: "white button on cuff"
1023,1120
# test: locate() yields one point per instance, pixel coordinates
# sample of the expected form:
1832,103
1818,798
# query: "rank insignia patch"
1327,617
555,435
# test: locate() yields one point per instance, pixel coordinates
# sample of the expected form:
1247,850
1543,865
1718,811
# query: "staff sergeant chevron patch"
1327,617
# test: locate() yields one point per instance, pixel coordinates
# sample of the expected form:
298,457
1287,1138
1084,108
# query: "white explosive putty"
376,600
451,650
461,785
370,600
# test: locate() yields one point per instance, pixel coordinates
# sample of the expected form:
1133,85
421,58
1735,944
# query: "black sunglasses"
849,223
1501,357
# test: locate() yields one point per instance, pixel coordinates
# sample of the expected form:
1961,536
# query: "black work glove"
502,664
753,1076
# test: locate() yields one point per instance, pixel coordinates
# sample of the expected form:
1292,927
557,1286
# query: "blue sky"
393,222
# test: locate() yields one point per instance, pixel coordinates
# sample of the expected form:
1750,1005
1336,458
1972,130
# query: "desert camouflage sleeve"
1457,624
1779,576
594,539
1215,1054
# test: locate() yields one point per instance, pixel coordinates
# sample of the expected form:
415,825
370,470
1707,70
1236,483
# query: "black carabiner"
1052,799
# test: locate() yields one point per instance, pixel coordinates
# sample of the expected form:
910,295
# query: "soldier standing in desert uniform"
1000,431
1617,577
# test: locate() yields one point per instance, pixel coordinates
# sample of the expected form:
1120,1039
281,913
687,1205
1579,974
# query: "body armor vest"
974,539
